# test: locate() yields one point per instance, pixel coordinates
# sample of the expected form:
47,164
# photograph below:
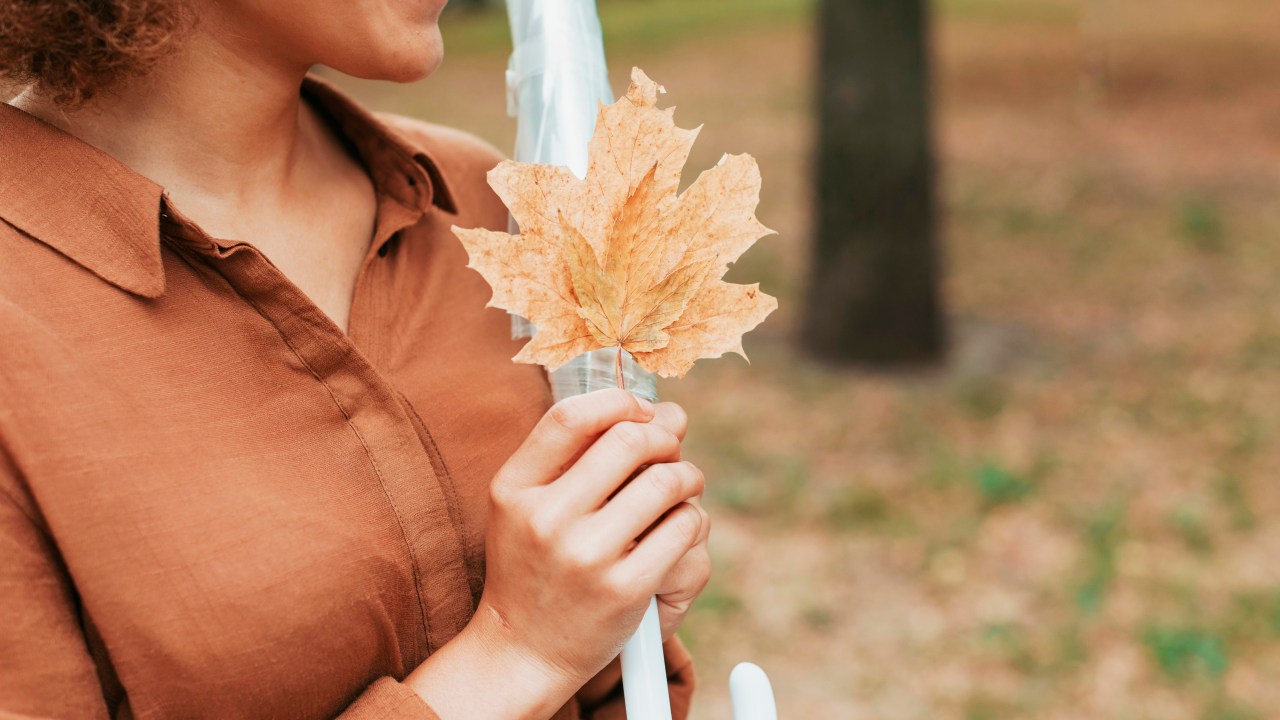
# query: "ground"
1073,519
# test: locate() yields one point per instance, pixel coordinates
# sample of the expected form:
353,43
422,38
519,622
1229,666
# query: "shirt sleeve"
387,699
46,669
680,684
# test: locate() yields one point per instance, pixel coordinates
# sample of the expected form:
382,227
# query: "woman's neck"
220,124
212,123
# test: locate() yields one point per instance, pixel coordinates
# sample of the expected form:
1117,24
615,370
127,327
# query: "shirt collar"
104,216
398,167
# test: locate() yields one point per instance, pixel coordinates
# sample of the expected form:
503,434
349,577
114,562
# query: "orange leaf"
618,259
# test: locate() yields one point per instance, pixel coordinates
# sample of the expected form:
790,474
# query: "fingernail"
645,405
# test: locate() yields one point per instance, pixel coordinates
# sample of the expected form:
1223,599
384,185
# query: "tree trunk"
874,294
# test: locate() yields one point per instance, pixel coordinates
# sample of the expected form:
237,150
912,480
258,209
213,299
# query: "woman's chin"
406,63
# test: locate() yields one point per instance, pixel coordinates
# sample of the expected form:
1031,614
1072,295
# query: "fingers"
645,499
691,572
668,415
672,417
661,549
610,461
682,586
568,427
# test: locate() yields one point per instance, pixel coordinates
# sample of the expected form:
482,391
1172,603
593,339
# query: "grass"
853,508
1199,222
632,25
1184,652
997,486
1071,520
1102,531
1051,12
1190,526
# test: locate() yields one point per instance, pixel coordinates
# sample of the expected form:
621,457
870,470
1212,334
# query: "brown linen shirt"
213,502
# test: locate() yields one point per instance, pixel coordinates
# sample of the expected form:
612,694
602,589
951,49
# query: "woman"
263,452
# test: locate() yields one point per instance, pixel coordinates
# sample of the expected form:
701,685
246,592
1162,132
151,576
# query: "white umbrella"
556,80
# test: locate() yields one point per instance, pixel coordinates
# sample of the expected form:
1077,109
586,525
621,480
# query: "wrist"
481,674
602,685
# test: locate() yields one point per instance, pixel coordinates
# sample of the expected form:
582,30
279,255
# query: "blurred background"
1007,449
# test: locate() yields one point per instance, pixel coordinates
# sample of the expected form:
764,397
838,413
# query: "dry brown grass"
1074,519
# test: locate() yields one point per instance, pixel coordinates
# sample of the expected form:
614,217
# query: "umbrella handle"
751,693
644,670
644,680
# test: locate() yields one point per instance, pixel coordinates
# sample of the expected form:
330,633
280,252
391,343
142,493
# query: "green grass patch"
631,25
1198,220
818,618
1253,617
983,706
981,398
1260,351
855,507
1051,12
1069,648
652,24
1011,642
1234,497
770,486
1223,709
1184,652
944,469
1103,531
1189,524
1020,221
998,486
717,601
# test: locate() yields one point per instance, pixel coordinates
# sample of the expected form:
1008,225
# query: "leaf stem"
617,370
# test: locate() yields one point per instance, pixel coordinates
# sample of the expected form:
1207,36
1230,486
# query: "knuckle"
679,418
666,480
619,588
669,442
581,556
688,522
544,527
510,501
501,495
617,398
676,481
566,414
632,437
614,402
697,481
702,568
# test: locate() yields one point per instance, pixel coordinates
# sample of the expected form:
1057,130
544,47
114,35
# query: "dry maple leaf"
618,259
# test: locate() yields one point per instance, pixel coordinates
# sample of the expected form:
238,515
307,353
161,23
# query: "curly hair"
72,50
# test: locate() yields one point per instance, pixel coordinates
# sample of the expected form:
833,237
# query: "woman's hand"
569,573
574,552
